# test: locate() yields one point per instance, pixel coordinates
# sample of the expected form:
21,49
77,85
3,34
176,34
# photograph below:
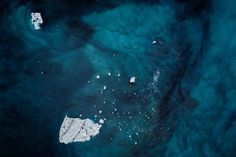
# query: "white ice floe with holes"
36,20
78,130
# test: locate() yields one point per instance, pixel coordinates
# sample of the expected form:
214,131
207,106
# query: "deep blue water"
182,105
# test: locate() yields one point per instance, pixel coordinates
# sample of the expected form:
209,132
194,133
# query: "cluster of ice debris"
78,130
36,20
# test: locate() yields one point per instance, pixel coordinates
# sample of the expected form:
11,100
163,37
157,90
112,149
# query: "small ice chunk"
36,20
100,111
78,130
154,42
118,75
104,87
132,80
109,74
101,121
98,77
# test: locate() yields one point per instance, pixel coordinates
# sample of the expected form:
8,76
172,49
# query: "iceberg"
132,80
78,130
36,20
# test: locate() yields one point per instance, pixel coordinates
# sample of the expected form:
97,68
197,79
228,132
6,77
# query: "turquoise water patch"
80,64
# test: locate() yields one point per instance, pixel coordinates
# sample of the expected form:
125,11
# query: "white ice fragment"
77,130
104,87
100,111
154,42
118,75
98,77
109,74
36,20
101,121
132,80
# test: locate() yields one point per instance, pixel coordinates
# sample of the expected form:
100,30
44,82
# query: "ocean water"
183,54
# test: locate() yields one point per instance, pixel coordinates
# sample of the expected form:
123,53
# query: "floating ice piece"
36,20
132,80
154,42
101,121
98,77
78,130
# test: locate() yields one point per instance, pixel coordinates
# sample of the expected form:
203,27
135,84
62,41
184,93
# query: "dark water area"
183,54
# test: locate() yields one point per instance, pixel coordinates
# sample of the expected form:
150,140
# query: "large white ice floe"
78,130
36,20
